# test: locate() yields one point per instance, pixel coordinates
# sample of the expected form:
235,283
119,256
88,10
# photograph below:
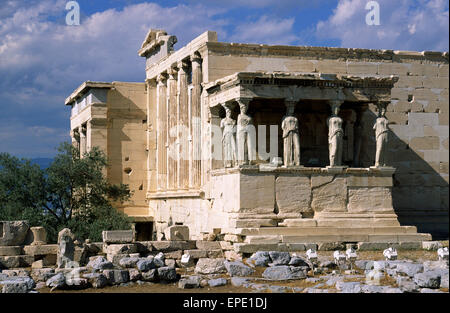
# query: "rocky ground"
272,272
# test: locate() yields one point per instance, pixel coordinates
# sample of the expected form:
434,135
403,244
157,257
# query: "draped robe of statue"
228,126
244,141
291,140
381,135
335,140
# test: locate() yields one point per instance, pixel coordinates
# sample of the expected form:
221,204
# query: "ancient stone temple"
276,145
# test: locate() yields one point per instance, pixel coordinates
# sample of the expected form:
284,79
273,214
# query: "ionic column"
172,152
83,140
183,127
196,132
161,112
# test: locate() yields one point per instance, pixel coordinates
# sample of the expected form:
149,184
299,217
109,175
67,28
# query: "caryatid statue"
228,126
335,135
381,135
291,137
245,134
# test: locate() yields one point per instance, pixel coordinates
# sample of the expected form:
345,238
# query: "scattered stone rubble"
119,260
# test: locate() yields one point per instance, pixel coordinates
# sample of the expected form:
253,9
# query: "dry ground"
415,255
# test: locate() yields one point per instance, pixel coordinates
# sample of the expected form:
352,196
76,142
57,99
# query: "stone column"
83,140
246,135
291,136
196,132
335,135
183,127
75,134
381,129
172,163
161,96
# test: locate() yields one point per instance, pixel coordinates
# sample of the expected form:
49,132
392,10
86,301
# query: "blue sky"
42,60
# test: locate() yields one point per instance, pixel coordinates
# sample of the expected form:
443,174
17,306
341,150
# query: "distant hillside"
42,162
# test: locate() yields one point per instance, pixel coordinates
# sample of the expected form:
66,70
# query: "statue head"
227,112
243,108
382,112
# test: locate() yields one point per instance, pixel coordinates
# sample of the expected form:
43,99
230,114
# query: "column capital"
335,106
195,57
243,101
382,107
161,78
172,72
182,65
226,105
151,82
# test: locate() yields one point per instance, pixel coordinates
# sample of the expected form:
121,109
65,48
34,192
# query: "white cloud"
42,60
30,141
405,25
266,30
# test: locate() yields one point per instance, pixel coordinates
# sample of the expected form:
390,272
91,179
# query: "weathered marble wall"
419,113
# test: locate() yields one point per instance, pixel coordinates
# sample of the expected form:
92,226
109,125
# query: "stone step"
356,238
274,239
358,222
298,247
298,231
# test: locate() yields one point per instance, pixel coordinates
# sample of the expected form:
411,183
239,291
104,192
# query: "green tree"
72,192
22,190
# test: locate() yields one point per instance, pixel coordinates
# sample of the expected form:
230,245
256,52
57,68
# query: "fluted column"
161,96
183,124
172,164
196,132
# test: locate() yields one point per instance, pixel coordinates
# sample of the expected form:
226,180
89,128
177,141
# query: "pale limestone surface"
330,197
293,194
204,196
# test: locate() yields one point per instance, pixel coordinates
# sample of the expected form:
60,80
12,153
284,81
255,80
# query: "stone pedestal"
289,206
39,236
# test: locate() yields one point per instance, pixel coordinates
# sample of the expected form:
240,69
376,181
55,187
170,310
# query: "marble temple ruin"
275,146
